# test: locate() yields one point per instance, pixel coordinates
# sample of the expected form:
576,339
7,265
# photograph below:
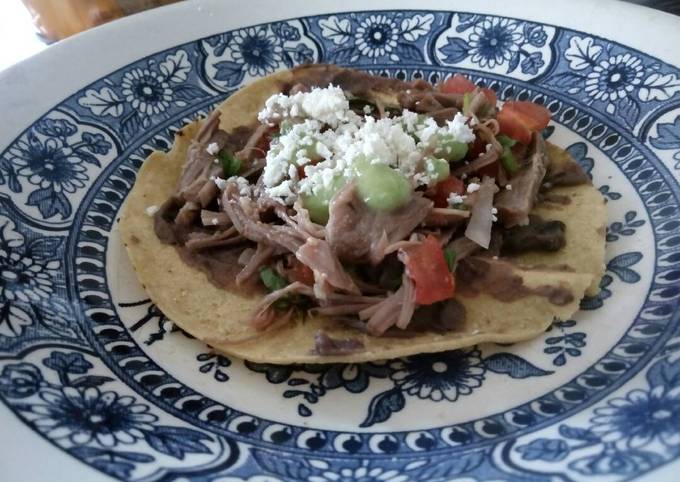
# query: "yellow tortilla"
585,217
220,318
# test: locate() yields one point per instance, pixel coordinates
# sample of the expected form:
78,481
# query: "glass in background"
59,19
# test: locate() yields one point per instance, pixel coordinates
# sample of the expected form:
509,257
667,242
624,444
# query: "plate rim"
178,45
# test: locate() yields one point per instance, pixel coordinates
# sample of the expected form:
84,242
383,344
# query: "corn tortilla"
220,318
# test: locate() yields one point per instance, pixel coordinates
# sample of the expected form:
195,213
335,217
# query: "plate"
97,383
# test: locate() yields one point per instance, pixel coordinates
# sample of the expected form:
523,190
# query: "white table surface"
18,38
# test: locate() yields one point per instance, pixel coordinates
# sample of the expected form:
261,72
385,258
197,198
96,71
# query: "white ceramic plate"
92,385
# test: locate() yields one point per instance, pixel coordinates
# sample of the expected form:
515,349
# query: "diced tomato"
301,272
535,116
445,188
459,84
426,266
520,120
512,127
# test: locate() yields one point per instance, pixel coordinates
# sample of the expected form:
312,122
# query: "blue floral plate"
97,384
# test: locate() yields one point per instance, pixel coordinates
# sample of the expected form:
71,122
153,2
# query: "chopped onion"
481,218
408,303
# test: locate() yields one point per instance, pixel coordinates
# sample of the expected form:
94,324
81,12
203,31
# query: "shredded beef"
230,236
395,310
188,214
263,316
514,205
463,247
215,218
198,241
246,220
483,160
361,235
444,217
359,84
164,222
428,101
258,259
317,255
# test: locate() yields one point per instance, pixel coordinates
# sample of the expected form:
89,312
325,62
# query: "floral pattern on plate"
256,51
496,44
84,354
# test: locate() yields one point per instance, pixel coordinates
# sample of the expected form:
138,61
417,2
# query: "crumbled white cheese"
283,191
244,187
151,210
472,187
327,138
427,129
287,147
410,120
459,129
367,109
328,105
219,182
293,172
455,199
213,148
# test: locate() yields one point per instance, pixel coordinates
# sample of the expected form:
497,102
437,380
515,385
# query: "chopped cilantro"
508,160
273,282
506,141
271,279
450,257
507,157
230,164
